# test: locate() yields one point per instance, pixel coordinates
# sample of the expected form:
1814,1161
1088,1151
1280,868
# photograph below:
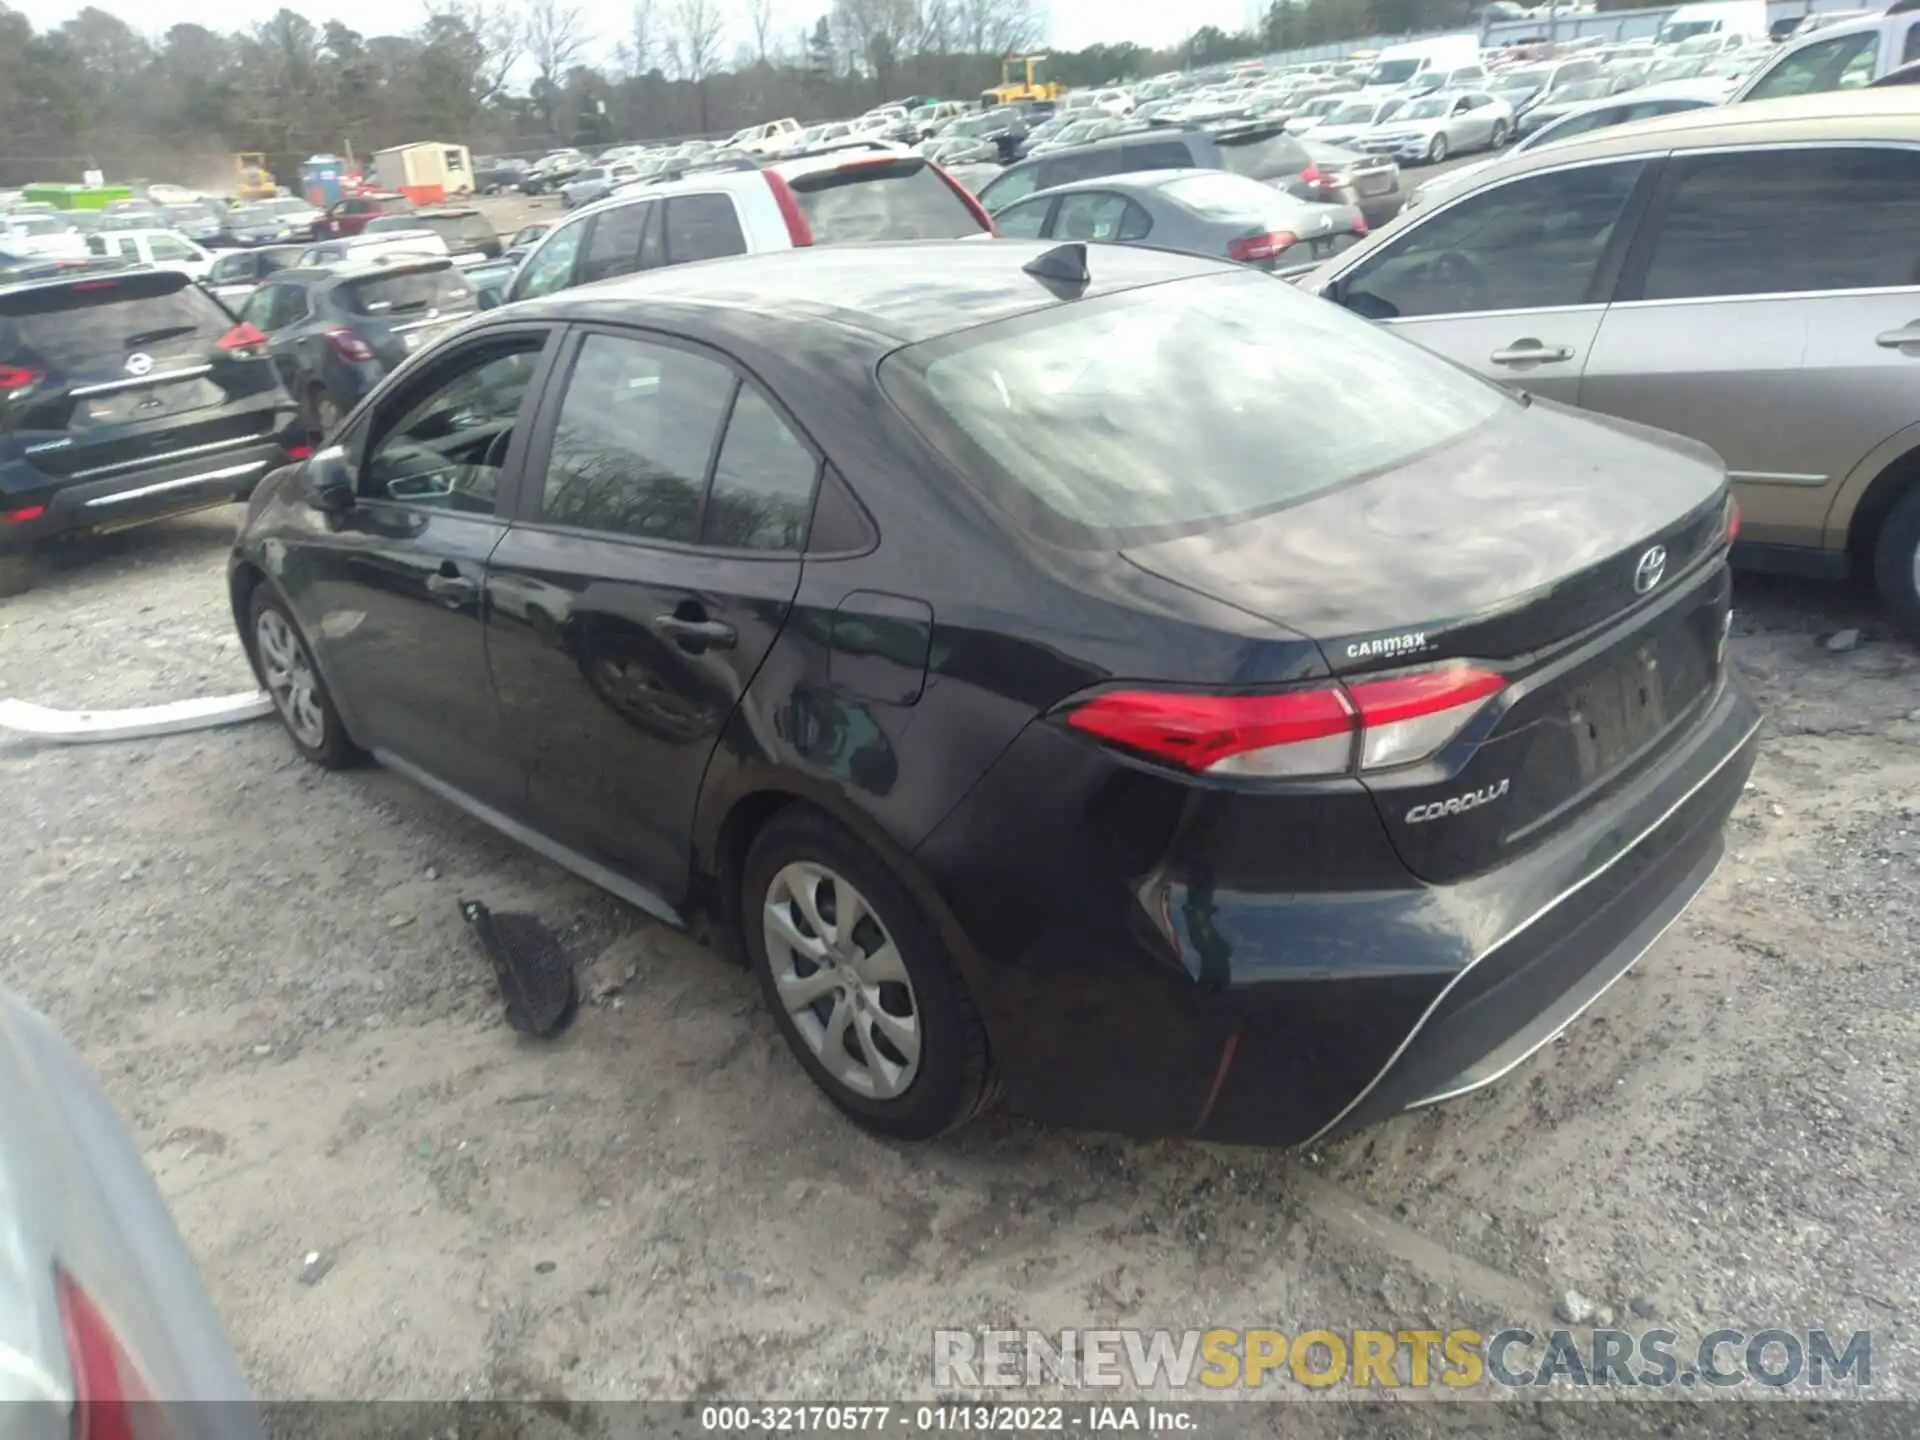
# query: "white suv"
842,197
1846,56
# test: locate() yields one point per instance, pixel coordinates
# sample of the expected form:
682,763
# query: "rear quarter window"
1157,155
893,200
385,295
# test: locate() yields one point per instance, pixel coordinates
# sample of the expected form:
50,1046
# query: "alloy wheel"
290,679
1437,151
842,981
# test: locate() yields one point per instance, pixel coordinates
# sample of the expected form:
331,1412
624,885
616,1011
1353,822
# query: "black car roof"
905,292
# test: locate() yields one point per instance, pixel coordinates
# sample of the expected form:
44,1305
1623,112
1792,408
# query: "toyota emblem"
1651,570
138,365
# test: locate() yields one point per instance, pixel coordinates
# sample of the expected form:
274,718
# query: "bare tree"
760,20
494,39
640,51
556,34
998,27
693,43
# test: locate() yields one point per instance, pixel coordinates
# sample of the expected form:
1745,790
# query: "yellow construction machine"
1022,77
252,179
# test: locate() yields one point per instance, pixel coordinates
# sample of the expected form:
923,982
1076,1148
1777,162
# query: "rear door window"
1763,223
289,306
903,199
613,242
762,493
1531,244
1025,221
702,227
1079,165
635,438
1100,215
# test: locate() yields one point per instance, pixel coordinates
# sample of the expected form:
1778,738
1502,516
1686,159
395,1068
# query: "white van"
1745,19
1406,64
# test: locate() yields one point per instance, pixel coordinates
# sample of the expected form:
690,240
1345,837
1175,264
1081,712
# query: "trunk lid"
121,370
1530,547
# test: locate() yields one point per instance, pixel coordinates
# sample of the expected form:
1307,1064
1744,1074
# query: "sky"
1075,23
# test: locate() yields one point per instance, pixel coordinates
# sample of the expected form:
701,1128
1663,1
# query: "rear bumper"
1171,997
136,497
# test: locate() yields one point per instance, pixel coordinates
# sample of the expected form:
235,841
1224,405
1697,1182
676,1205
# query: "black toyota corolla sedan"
1095,675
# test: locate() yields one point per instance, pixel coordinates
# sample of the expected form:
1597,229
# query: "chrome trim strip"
1561,898
232,472
146,462
1859,292
153,378
436,320
1587,1004
1778,477
591,871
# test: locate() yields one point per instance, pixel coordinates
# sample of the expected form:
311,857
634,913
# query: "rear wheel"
1500,134
1437,151
859,983
1896,563
293,680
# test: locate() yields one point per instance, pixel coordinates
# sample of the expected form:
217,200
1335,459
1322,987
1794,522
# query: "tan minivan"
1748,275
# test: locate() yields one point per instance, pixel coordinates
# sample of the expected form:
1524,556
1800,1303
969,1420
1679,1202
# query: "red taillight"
299,452
347,345
798,231
106,1386
1323,730
1260,247
17,377
1733,521
1313,176
243,341
22,515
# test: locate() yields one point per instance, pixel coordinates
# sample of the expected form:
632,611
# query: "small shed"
426,172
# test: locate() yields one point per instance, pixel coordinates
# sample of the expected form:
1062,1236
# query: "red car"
352,215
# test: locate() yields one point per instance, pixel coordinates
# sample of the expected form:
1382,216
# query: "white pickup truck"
766,139
162,249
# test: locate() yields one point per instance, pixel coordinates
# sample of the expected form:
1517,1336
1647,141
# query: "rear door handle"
1900,339
697,635
1530,352
457,588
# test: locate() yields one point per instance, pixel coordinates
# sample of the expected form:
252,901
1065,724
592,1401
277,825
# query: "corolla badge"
1651,570
139,364
1458,804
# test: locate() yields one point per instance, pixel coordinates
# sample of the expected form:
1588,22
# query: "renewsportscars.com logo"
1455,1359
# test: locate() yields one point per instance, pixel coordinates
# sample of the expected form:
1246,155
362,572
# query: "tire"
915,997
303,702
1500,135
1437,151
18,573
1896,563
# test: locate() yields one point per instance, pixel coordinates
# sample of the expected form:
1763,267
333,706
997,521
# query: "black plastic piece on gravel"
536,978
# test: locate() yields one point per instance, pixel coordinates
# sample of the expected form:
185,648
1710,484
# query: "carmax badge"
1458,804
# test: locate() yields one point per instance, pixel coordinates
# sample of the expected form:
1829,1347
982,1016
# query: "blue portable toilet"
320,179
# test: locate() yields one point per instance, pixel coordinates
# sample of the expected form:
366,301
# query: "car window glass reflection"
448,449
1532,244
634,438
763,484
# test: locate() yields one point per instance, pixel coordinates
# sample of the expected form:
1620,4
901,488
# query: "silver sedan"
1448,122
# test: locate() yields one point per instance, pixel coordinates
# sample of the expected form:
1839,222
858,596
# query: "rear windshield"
1263,158
459,231
893,200
1220,196
410,294
1175,408
67,327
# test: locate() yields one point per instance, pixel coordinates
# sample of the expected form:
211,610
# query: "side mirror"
329,481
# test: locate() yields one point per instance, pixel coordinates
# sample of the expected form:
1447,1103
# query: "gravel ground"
267,966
